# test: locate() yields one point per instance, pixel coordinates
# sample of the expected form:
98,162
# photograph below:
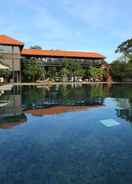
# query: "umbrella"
3,67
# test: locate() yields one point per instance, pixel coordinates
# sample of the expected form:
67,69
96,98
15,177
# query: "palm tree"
65,73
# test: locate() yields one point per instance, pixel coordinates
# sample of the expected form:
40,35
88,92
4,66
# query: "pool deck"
10,85
67,83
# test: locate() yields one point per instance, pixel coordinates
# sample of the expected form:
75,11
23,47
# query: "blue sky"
88,25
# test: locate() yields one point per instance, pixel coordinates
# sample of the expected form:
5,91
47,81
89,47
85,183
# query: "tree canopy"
97,73
121,69
32,70
36,47
125,47
67,70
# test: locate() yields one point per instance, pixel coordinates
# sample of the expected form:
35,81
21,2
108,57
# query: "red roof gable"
6,40
61,53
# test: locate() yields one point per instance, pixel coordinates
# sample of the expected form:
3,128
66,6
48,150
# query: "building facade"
10,55
12,51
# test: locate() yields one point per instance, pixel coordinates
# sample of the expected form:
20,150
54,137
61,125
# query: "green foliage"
32,70
87,72
36,47
73,68
5,73
121,70
98,90
65,74
32,95
125,47
53,74
97,73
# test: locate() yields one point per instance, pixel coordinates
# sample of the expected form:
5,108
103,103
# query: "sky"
86,25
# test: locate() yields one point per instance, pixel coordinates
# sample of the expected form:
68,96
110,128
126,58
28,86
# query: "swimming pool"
66,134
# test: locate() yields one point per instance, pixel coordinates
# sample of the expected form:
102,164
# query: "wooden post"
13,74
20,76
17,76
20,73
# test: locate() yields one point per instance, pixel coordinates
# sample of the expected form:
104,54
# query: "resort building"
12,52
10,55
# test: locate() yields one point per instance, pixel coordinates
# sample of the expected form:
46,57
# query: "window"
8,49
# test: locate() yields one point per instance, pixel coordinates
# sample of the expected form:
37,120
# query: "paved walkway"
57,83
9,86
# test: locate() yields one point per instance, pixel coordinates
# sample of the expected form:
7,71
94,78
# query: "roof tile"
61,53
6,40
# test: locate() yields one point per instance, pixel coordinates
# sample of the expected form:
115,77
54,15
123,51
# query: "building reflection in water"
11,112
59,99
11,122
40,101
59,110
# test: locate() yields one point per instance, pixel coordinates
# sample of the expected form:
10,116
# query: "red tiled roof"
6,40
59,110
61,53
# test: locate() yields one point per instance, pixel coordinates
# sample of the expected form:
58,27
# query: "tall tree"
74,68
32,70
98,73
125,47
37,47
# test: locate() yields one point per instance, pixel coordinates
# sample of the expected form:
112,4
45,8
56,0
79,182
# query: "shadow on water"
41,101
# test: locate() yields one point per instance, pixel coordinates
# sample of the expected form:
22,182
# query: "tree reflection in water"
43,100
12,121
48,100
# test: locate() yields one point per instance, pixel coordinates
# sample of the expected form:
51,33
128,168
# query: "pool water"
72,134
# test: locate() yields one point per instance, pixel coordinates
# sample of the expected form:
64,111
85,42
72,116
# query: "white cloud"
76,24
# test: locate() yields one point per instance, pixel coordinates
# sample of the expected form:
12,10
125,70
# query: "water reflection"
16,104
59,109
40,101
124,109
11,111
66,148
12,121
